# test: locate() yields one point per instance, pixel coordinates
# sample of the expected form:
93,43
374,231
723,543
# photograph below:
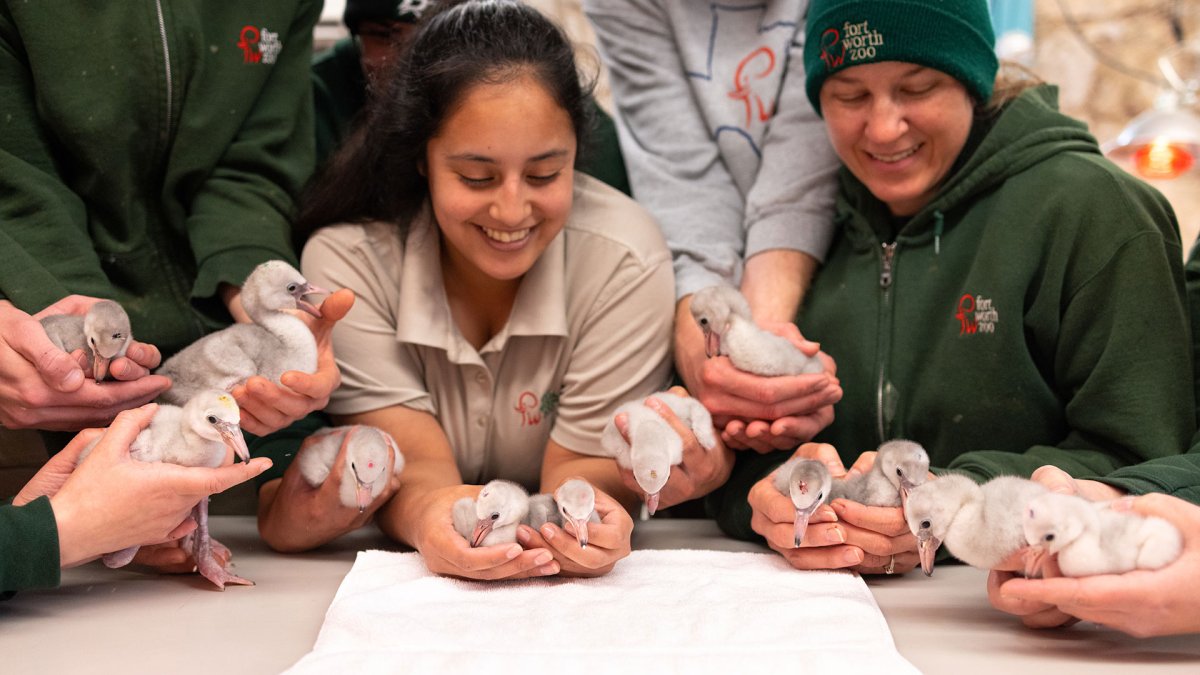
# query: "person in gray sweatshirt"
726,152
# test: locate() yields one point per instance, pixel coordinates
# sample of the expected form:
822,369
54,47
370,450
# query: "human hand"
1057,480
1142,603
140,357
608,541
294,516
446,552
43,387
144,502
267,407
1033,613
774,516
701,470
881,534
880,531
767,413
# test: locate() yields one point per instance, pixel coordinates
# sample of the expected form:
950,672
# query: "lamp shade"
1162,143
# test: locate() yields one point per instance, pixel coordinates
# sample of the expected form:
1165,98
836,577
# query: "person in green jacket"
55,521
341,74
379,31
998,291
156,167
1143,603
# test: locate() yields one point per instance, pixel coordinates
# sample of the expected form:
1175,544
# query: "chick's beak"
712,342
482,528
581,530
652,503
303,304
231,434
927,546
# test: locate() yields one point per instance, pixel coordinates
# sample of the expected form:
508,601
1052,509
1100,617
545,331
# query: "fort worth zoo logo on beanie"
855,40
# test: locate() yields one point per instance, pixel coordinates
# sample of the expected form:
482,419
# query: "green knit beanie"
953,36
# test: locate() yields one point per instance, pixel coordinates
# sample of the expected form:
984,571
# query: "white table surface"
119,621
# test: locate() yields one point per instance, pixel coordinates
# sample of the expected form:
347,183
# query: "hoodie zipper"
182,286
887,259
162,31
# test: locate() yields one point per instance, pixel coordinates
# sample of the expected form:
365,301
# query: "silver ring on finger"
891,566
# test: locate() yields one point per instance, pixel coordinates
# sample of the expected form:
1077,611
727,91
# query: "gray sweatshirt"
720,142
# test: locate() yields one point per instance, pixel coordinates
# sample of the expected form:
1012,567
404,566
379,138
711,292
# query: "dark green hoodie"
150,150
1033,313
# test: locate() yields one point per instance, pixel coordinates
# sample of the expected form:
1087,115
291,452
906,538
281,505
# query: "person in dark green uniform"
998,290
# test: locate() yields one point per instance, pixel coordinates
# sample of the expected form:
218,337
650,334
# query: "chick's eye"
1049,537
821,496
291,288
495,516
212,419
703,322
117,336
924,524
899,471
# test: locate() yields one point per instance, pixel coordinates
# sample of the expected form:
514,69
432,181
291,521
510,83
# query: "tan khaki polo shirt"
590,329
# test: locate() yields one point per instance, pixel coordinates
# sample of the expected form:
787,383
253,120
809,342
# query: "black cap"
409,11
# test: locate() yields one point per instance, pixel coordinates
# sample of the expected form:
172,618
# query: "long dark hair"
375,175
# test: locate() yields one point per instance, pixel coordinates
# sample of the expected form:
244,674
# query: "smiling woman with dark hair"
507,303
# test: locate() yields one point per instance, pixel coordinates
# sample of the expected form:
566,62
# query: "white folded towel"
657,612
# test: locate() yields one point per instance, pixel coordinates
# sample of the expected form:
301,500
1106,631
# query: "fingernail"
549,570
548,532
513,552
522,535
654,404
1122,504
543,558
853,556
838,507
824,514
836,535
852,472
73,378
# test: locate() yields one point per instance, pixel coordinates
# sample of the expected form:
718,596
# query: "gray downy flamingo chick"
654,446
542,510
198,434
1090,538
365,474
899,467
576,500
275,343
807,483
729,330
500,507
980,525
103,334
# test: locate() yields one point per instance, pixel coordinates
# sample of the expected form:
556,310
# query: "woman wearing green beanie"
998,291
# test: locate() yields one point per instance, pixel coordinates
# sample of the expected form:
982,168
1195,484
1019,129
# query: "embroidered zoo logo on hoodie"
259,45
976,314
855,40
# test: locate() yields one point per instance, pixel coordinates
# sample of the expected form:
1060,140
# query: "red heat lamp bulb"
1163,159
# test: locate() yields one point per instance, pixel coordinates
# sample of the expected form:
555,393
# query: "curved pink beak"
927,546
303,304
482,528
231,434
652,503
712,342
